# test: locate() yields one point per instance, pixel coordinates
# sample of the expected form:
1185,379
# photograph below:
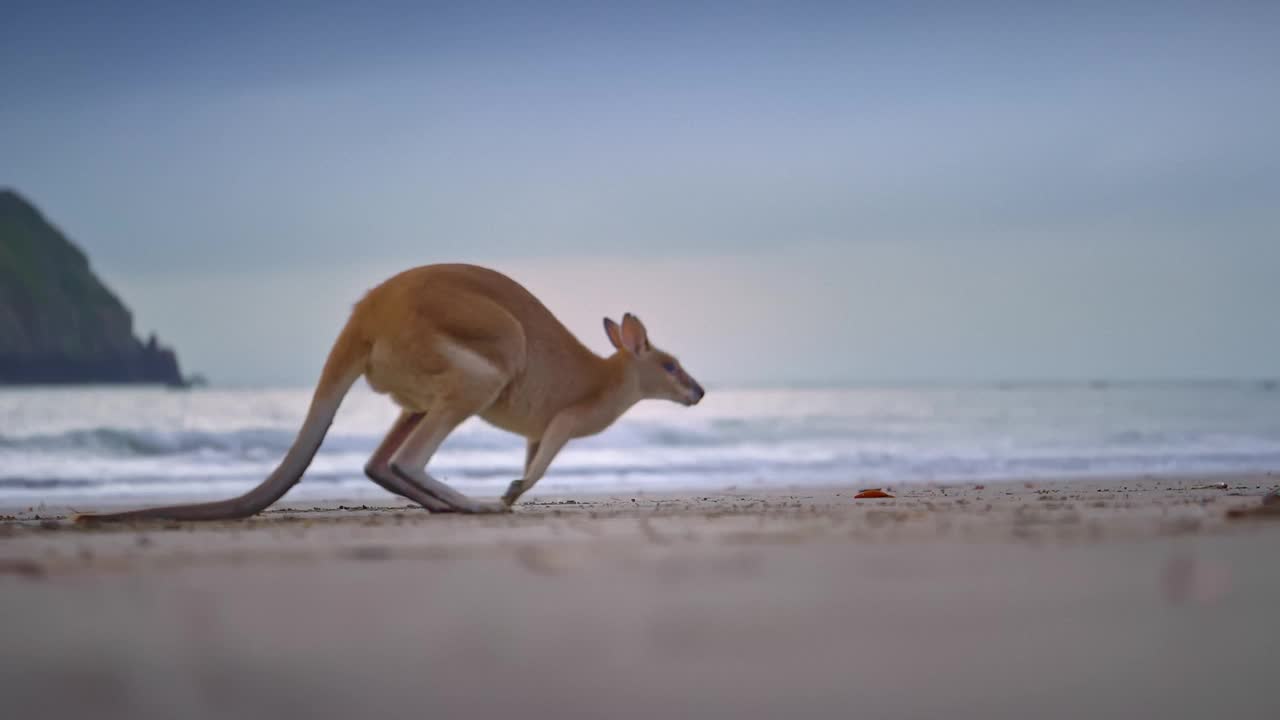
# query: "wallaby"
447,342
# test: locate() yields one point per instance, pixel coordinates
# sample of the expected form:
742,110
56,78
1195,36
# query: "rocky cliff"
58,322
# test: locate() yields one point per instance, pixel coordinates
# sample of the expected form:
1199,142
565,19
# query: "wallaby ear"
614,332
634,337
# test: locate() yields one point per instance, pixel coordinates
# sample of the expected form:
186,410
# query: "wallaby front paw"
514,490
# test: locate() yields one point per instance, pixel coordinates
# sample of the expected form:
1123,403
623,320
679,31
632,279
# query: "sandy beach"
1126,597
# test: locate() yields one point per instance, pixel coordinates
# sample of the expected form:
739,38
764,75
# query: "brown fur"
446,342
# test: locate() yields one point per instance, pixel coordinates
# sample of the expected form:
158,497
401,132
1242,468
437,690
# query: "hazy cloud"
820,191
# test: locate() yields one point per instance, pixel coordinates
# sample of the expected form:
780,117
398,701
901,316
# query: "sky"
785,192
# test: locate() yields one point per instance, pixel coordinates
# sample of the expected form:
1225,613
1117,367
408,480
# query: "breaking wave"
212,442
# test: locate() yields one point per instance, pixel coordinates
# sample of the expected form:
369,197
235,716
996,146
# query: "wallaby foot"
489,507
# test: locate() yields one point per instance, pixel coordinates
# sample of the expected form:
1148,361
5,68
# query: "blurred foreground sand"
1130,597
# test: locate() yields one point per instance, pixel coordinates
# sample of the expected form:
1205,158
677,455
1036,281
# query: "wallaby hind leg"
378,469
410,460
530,451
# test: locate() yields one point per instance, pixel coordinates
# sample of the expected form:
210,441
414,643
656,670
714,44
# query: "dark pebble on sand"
375,552
21,568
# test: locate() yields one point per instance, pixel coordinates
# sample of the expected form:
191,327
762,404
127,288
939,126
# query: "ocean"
96,445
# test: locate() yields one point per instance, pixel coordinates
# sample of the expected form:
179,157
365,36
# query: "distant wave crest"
124,442
261,442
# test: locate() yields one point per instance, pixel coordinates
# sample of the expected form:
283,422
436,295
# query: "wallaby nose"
698,393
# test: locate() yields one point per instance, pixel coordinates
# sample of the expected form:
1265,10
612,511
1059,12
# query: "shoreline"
376,497
1136,596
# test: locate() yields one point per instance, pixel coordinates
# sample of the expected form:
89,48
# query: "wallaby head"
660,374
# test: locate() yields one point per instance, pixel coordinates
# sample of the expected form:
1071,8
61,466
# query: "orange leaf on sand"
874,493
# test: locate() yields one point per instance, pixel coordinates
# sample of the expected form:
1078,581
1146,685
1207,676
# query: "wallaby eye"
669,366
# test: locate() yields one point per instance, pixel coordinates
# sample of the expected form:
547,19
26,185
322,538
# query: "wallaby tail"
345,365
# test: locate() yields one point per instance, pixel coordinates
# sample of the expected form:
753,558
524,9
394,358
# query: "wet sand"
1127,597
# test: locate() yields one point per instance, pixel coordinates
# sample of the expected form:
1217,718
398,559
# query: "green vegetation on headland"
58,322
